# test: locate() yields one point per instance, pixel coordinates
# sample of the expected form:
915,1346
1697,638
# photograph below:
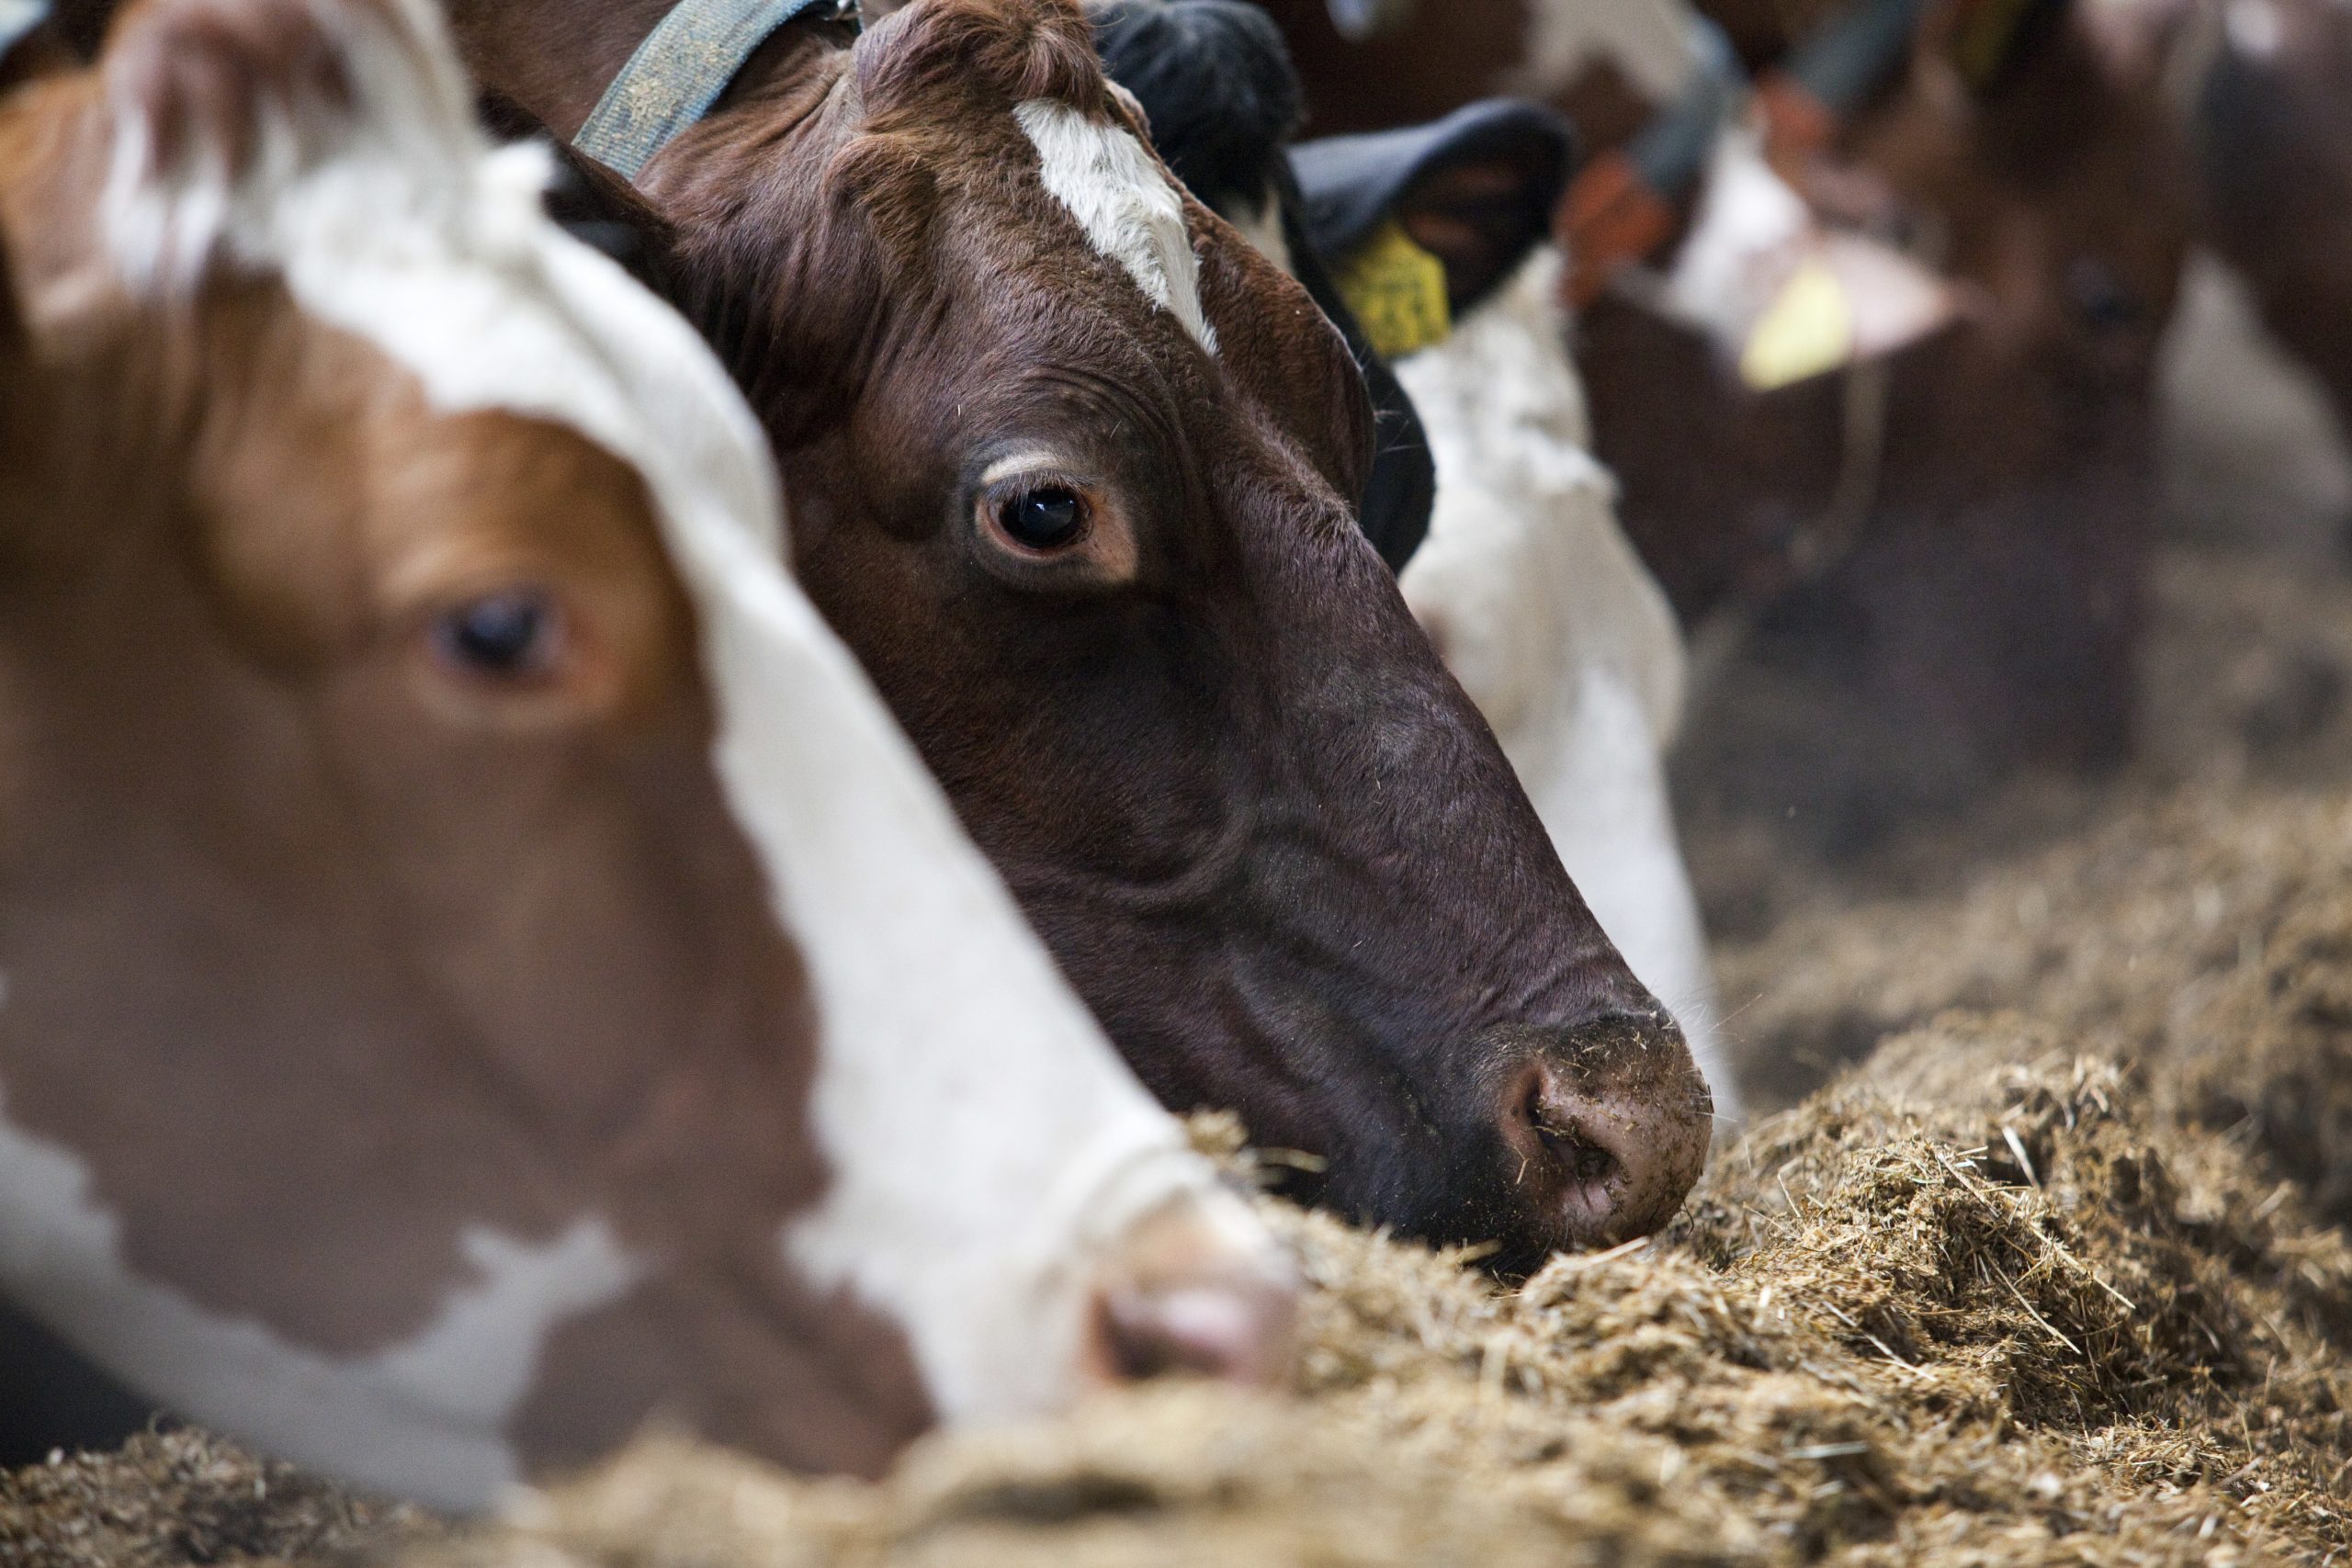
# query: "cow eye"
517,635
1049,517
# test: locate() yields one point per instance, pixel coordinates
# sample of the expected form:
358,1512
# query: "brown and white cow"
481,970
1068,462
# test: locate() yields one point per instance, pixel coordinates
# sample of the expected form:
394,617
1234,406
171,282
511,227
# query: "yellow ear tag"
1398,291
1807,330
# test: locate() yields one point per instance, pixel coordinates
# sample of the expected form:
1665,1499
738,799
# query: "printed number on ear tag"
1398,291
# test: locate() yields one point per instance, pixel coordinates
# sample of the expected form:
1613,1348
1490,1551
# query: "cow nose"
1197,1287
1610,1127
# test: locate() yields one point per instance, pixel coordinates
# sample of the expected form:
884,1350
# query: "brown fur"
982,48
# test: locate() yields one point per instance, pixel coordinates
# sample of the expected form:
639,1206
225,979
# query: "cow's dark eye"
1050,517
514,636
2106,303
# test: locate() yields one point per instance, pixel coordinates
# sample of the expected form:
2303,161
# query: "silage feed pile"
1985,1300
2206,934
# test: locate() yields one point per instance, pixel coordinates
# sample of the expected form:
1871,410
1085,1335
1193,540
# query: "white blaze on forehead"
424,1418
983,1138
1101,175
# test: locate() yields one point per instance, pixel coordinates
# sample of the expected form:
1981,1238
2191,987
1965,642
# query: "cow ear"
591,202
218,104
1481,216
1474,190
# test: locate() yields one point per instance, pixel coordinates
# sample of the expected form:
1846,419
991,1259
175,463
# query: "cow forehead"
1125,203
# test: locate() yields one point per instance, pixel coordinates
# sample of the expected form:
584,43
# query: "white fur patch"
1559,632
986,1142
1127,206
424,1419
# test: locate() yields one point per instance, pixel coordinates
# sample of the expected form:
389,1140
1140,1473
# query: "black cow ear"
1476,189
592,202
1215,84
1481,216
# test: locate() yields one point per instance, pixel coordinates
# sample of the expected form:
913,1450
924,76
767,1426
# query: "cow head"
1066,461
482,970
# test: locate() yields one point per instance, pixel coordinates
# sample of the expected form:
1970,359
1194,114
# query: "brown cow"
1068,459
482,971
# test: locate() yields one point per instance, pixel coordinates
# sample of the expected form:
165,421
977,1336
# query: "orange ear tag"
1398,291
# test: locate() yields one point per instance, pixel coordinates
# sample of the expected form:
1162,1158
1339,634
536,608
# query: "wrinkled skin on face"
1261,828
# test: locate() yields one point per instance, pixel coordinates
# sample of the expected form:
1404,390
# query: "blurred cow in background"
1945,554
1941,551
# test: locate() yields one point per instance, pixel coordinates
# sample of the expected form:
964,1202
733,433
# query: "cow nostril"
1571,1146
1606,1135
1585,1162
1190,1292
1208,1331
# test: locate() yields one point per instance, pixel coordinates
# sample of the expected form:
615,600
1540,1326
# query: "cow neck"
683,66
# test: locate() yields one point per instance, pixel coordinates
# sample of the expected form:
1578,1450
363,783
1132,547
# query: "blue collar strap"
18,20
676,74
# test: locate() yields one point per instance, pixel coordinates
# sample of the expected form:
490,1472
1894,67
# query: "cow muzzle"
1604,1130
